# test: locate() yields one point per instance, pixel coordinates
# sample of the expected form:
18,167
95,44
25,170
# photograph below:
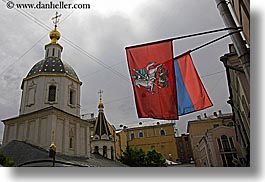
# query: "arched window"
105,151
132,136
52,93
141,135
225,143
162,132
96,150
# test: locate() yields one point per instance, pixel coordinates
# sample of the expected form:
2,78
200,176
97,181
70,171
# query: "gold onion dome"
55,36
100,105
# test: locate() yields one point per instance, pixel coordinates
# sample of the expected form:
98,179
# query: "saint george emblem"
153,75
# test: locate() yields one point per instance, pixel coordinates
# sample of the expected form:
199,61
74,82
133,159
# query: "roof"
102,126
47,109
52,65
148,124
31,155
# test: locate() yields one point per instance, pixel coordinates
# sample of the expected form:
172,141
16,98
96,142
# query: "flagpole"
208,43
186,36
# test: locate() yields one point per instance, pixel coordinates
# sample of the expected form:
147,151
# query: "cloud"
105,34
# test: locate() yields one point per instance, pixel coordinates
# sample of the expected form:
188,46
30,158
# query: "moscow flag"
151,68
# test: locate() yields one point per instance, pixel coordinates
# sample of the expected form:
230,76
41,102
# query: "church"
50,110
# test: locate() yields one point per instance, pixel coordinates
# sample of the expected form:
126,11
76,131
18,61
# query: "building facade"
158,135
218,148
198,128
184,149
103,136
238,79
50,106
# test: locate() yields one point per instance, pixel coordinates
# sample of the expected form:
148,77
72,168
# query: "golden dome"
54,36
100,105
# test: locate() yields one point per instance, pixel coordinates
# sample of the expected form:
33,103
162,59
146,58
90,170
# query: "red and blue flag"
191,94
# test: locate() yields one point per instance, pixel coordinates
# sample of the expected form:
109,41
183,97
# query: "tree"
155,159
135,157
5,161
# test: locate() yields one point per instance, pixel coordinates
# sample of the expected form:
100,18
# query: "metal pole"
240,46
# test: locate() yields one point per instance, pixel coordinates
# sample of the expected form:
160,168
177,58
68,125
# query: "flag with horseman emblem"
151,68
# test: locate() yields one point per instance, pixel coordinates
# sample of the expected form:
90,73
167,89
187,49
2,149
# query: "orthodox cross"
100,94
56,19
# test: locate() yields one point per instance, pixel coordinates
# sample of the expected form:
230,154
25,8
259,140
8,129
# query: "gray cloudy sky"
104,31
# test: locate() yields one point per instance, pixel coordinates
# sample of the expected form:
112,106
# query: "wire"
75,46
19,58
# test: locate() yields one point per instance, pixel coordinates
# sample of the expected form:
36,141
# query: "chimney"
205,115
220,113
91,115
215,114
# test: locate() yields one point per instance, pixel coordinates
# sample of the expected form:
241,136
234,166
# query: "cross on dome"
56,19
100,105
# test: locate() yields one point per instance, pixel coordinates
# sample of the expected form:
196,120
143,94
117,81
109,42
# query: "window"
219,144
72,96
105,151
231,142
71,139
53,50
162,132
47,53
52,93
215,125
71,143
132,136
112,153
141,135
96,150
225,143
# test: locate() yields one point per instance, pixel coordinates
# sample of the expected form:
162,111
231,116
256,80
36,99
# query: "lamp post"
52,153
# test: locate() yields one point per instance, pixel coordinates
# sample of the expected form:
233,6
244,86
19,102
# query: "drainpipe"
240,46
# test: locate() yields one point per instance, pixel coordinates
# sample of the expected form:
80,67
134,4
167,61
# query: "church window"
96,150
162,132
112,153
47,52
53,51
72,97
71,143
105,151
71,139
52,93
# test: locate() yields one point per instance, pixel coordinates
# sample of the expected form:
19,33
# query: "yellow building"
198,128
158,135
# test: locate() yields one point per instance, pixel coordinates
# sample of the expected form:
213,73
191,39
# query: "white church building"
50,110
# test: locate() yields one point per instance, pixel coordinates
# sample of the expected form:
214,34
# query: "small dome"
52,65
54,36
100,105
